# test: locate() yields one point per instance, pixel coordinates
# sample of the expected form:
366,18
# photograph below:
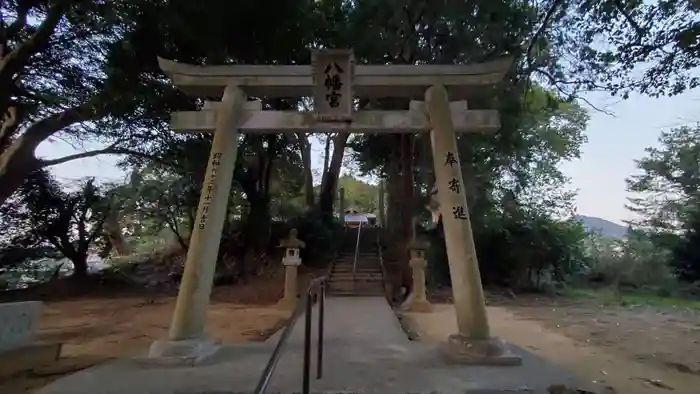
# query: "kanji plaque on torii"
332,77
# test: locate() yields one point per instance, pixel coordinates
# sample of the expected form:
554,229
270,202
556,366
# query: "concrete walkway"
352,321
366,351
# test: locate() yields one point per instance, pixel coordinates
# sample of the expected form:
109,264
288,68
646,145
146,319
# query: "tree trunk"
106,249
257,236
393,220
393,195
305,150
258,223
471,183
16,163
407,208
80,267
17,160
329,182
114,233
182,241
326,154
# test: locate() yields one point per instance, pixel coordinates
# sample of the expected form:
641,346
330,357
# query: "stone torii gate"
334,81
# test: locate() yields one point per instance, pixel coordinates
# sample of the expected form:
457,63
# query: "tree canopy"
86,72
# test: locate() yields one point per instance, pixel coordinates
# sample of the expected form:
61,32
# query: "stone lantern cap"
292,241
419,244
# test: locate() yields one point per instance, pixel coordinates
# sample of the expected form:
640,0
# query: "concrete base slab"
462,350
391,369
418,306
287,303
365,351
28,357
187,352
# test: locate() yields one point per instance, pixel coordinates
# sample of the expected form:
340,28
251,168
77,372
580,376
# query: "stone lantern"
291,261
418,301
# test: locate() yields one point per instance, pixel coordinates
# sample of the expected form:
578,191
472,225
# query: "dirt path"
664,338
534,329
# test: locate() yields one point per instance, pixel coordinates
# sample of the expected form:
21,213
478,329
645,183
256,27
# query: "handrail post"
357,250
306,384
321,317
381,264
317,287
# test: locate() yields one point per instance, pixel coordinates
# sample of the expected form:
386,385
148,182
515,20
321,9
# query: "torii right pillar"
473,343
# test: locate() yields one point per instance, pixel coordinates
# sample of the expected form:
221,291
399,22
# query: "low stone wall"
18,350
18,323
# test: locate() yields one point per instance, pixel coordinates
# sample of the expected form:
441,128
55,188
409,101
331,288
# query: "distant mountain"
602,226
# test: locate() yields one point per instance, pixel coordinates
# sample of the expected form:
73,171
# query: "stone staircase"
367,280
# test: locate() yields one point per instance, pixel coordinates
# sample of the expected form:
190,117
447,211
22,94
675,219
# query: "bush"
686,253
634,262
523,252
320,237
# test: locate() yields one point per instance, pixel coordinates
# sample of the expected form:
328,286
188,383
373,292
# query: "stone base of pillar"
416,305
287,303
178,353
462,350
388,291
419,306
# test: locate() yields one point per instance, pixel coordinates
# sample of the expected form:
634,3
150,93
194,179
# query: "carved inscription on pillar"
215,162
332,76
455,186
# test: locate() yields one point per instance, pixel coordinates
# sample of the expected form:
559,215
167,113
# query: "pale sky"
614,142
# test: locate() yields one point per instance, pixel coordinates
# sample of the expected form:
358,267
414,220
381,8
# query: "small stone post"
472,344
418,301
291,261
187,340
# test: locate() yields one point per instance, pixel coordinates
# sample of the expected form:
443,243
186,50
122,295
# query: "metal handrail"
318,288
381,262
357,250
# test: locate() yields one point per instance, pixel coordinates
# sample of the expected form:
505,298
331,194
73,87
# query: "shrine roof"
406,81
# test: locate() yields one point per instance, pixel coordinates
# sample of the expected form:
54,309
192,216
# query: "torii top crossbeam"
404,81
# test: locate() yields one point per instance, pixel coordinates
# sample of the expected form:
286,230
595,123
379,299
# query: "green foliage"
634,262
162,199
686,253
359,194
611,296
549,131
518,192
669,181
621,46
89,73
16,255
320,237
44,214
523,250
669,201
32,271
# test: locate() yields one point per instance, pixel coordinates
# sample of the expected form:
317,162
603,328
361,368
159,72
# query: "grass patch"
611,296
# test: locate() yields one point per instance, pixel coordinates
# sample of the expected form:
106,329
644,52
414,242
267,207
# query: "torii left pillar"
187,341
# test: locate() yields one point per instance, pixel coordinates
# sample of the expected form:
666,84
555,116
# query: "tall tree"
44,214
650,47
685,252
668,186
86,70
57,77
